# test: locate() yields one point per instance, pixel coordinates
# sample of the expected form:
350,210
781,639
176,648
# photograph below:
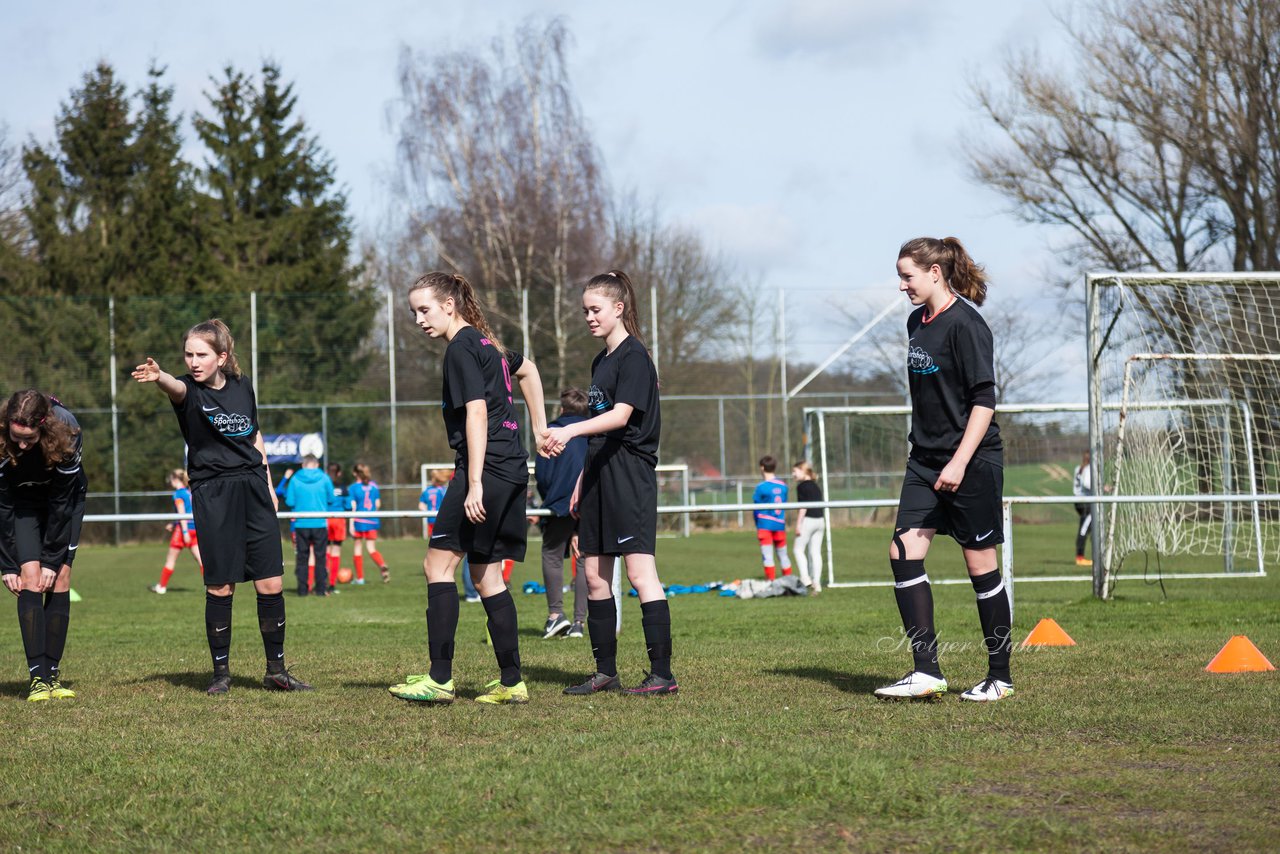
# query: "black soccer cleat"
283,681
597,683
220,684
654,685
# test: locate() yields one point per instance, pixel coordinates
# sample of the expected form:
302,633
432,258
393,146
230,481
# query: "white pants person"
809,550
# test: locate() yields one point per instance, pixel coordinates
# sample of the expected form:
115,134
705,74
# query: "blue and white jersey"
771,491
363,497
182,504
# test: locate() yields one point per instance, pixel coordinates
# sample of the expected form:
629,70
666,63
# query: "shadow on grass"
556,676
16,689
850,683
198,681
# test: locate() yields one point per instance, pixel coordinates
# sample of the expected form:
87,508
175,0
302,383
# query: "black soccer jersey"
475,370
808,490
219,426
57,489
948,357
627,376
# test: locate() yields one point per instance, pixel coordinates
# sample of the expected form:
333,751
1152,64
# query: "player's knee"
897,548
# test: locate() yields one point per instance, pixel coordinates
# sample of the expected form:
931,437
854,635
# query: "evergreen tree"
281,228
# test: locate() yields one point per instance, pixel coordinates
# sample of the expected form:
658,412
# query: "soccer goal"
860,453
673,488
1184,409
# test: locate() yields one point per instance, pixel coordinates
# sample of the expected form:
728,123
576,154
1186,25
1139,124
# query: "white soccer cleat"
914,686
988,691
156,588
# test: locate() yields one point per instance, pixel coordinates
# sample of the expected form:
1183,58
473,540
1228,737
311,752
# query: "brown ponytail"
216,334
362,473
963,275
453,286
616,286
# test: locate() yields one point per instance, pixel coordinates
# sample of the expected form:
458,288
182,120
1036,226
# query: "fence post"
115,412
391,382
782,367
720,406
324,431
253,339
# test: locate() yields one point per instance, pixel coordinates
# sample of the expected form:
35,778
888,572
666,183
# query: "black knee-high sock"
915,604
31,621
442,626
57,614
217,625
602,626
656,620
504,633
995,616
271,623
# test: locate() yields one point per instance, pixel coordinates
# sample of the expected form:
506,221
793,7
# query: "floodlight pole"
844,348
391,383
782,366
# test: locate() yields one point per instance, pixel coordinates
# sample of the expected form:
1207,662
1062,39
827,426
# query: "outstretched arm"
149,372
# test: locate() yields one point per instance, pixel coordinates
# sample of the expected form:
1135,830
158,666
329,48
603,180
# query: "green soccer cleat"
39,691
916,685
424,689
58,691
499,694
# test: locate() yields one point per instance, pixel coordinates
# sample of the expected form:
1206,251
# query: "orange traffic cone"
1239,655
1048,633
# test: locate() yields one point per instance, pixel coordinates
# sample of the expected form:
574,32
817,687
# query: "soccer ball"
344,575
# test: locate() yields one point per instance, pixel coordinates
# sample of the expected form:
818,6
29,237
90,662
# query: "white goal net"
1184,393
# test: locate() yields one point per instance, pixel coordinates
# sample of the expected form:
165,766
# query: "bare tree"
11,187
696,289
501,179
1160,149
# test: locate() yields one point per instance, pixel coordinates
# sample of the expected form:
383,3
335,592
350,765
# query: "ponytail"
362,473
216,334
453,286
616,285
963,275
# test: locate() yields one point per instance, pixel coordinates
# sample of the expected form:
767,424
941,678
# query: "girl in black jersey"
231,496
954,473
482,515
42,493
617,494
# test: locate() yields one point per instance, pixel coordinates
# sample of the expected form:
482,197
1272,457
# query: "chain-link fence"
356,373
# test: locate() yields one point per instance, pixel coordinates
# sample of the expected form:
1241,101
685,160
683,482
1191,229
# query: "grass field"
775,742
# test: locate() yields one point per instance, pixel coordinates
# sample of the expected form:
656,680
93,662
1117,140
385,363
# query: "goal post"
1211,341
860,454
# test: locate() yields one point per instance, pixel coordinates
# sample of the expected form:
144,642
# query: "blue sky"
804,139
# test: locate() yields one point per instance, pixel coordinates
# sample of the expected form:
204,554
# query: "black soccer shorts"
971,515
239,529
502,535
618,505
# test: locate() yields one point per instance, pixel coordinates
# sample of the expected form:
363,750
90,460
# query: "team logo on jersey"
918,361
596,400
231,424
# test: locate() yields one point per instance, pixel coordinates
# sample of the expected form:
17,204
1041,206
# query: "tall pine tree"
280,227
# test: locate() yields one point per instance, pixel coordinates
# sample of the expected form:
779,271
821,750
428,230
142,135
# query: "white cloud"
844,31
760,236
